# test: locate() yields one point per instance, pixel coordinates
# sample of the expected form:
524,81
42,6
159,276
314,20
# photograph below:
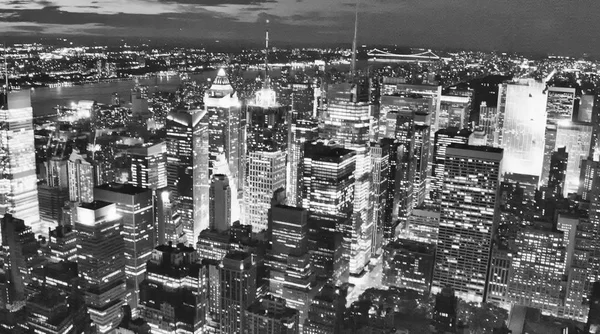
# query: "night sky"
555,26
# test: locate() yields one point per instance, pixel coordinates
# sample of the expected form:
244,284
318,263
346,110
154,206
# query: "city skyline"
535,26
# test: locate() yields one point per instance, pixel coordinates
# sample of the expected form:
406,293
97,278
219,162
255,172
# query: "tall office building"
83,176
238,290
326,312
136,207
538,268
62,244
188,170
468,217
18,183
559,162
328,173
395,92
559,108
522,120
220,203
576,138
19,246
270,314
301,132
349,121
174,294
408,264
266,174
380,160
423,225
443,139
101,262
224,112
488,123
148,165
292,277
454,112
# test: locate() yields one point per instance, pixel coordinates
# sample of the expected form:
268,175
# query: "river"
44,99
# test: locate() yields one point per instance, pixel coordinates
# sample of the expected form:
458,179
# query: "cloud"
217,2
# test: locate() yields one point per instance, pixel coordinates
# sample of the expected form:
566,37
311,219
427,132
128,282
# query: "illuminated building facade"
270,314
291,274
559,108
149,165
328,174
348,120
443,139
500,271
423,225
220,203
326,245
380,160
577,138
488,122
326,311
559,162
19,246
135,206
223,111
18,183
266,174
101,263
238,290
522,120
454,112
174,294
468,217
538,268
62,244
301,132
408,264
396,94
187,172
82,178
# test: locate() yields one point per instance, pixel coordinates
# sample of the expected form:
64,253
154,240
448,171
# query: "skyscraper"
522,120
443,139
224,111
576,137
18,183
301,132
174,294
220,203
18,248
101,262
348,120
83,175
266,174
292,277
541,287
238,290
408,264
149,165
468,217
559,107
135,206
270,314
188,170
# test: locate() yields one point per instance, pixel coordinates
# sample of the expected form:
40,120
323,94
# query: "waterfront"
44,99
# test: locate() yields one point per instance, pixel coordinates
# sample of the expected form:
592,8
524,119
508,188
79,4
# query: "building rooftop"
95,205
123,188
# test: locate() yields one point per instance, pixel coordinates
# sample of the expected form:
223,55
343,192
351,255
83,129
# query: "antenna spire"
353,65
267,55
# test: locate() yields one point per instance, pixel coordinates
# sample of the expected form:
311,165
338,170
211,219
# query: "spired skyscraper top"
223,110
18,180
